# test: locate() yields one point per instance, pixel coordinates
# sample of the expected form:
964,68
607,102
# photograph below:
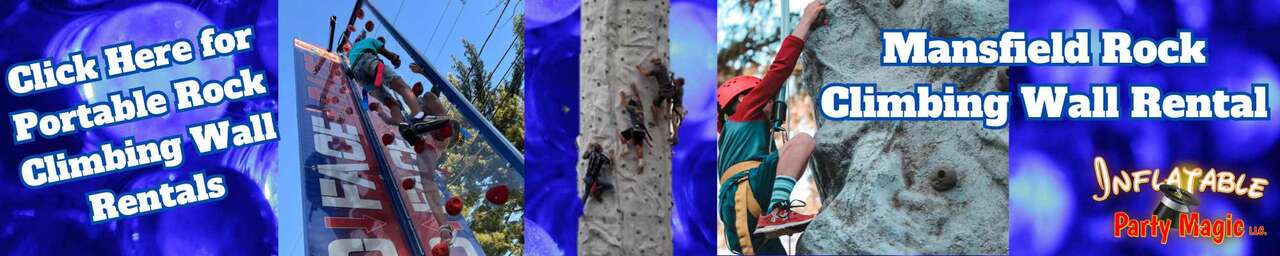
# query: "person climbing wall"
756,180
634,217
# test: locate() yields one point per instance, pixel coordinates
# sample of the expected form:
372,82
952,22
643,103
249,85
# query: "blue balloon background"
1051,172
54,220
552,205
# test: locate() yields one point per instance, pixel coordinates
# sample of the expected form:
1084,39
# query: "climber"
380,82
637,135
597,162
429,129
668,103
755,185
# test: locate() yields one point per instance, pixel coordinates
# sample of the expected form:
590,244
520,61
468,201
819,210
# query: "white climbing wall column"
635,217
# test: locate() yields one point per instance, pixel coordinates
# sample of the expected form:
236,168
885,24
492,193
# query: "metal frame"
468,111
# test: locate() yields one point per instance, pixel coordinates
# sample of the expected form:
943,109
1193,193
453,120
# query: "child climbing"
638,134
381,82
597,162
755,185
428,131
669,103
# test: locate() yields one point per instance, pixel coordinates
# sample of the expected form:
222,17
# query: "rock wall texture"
634,218
907,187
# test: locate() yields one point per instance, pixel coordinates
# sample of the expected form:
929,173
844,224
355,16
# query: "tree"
474,166
746,44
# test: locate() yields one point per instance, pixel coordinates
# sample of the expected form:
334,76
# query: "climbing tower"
634,217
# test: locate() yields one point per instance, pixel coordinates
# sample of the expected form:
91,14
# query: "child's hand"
812,10
810,16
415,68
395,61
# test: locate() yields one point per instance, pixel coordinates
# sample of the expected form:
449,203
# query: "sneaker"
410,132
782,220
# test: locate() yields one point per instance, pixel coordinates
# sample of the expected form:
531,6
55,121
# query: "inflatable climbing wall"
633,218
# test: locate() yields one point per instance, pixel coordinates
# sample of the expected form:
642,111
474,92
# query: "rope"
398,9
437,28
495,27
504,57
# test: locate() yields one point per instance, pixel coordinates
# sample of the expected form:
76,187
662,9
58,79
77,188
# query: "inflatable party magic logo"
1175,211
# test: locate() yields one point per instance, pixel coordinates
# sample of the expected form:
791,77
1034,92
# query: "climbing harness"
745,206
636,135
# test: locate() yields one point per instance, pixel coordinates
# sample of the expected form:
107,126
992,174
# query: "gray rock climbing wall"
907,187
634,218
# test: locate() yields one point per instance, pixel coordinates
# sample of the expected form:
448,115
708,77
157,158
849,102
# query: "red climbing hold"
387,139
440,249
497,194
351,111
407,184
368,25
420,145
454,206
444,132
329,115
417,88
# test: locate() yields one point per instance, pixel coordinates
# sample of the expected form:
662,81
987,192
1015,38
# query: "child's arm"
751,105
391,56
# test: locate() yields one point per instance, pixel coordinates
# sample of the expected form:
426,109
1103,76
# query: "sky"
308,20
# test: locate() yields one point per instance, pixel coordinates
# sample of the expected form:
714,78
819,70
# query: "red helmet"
734,87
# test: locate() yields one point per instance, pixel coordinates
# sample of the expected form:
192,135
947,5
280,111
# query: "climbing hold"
335,143
443,132
417,88
420,146
351,111
942,181
440,249
387,139
407,183
454,206
497,194
368,26
374,106
329,115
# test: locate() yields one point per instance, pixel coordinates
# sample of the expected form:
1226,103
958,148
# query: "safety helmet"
734,87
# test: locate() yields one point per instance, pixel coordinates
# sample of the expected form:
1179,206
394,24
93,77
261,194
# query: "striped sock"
781,190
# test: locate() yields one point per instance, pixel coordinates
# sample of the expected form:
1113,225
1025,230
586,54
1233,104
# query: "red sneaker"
782,220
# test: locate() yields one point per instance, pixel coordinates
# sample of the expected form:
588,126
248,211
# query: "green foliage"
474,166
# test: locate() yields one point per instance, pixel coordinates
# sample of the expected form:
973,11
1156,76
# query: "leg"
435,199
794,156
781,220
401,88
431,104
392,105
